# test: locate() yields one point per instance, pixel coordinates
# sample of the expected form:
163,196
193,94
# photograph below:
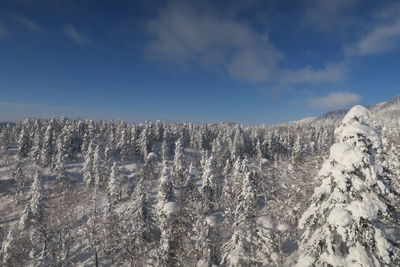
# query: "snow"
275,257
282,227
152,156
211,221
339,217
346,155
357,113
266,222
171,208
366,208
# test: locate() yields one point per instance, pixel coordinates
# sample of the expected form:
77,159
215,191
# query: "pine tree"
114,184
88,172
97,167
179,163
47,150
23,141
249,245
209,187
167,208
164,150
141,226
19,178
59,167
345,222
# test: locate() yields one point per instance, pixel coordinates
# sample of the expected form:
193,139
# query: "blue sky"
255,62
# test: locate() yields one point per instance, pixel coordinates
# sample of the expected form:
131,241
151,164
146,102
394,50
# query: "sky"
251,62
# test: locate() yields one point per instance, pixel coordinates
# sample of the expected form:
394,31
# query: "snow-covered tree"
167,209
179,163
19,177
249,245
346,221
141,227
23,141
97,166
48,145
114,184
209,187
87,171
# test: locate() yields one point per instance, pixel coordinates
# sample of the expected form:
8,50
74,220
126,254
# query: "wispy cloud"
72,33
329,16
383,34
380,39
3,31
335,100
28,24
334,72
185,36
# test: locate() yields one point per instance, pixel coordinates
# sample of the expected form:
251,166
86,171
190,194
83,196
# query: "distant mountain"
387,110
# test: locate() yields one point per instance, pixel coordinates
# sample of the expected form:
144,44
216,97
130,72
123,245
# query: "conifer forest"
317,192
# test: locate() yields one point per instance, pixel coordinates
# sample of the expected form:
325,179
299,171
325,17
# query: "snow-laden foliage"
183,194
344,226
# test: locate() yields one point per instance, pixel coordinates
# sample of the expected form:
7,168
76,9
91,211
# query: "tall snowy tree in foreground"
344,226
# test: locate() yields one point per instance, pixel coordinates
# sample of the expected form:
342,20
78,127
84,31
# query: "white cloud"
335,100
333,72
382,36
330,16
380,39
3,31
186,36
28,24
76,36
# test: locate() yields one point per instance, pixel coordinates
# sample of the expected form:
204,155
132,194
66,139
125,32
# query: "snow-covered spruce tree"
206,249
345,224
179,163
111,233
48,145
165,150
114,184
167,210
165,190
248,246
87,170
23,145
141,227
190,192
19,177
59,166
37,194
209,186
36,148
13,253
4,145
33,221
97,167
123,145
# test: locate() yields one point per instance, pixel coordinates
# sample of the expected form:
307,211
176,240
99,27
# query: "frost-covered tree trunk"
346,221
